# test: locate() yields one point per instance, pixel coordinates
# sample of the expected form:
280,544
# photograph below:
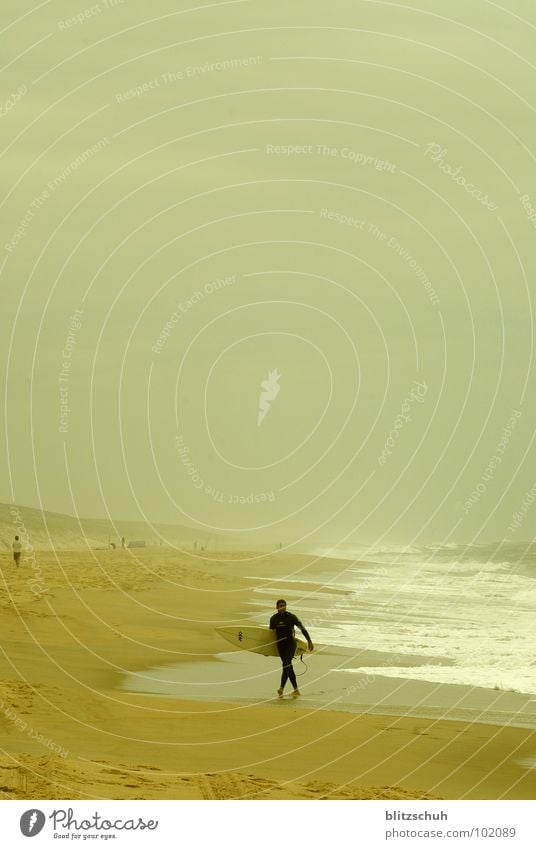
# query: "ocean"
470,609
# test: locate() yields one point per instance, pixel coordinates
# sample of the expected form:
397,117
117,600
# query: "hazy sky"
338,199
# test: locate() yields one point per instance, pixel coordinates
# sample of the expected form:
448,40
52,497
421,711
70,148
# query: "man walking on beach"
17,548
283,623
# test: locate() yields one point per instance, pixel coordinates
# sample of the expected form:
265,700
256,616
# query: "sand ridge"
50,777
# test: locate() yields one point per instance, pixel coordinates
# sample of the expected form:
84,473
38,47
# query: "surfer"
283,623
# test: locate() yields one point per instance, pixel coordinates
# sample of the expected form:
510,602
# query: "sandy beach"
68,730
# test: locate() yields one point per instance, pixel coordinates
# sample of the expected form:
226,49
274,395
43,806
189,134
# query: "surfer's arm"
305,633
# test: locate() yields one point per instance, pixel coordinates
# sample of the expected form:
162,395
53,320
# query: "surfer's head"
281,604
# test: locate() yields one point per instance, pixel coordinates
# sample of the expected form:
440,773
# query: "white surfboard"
256,639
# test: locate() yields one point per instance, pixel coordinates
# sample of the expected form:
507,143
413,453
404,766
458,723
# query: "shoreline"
241,678
104,614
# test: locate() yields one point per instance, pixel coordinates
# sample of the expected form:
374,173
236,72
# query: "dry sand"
68,732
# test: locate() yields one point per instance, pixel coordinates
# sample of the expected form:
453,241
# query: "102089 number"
498,831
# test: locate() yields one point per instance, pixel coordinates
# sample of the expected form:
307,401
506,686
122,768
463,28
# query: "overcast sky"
336,199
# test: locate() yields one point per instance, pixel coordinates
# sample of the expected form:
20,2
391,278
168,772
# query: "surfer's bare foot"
280,693
295,694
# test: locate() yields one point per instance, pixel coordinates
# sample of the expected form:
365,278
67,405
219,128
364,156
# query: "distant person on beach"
17,548
283,623
123,542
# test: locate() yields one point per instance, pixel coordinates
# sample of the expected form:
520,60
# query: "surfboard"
256,639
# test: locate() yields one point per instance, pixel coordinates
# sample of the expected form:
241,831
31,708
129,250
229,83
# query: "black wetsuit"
283,624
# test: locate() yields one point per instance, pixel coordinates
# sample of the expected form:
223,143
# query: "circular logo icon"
31,822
